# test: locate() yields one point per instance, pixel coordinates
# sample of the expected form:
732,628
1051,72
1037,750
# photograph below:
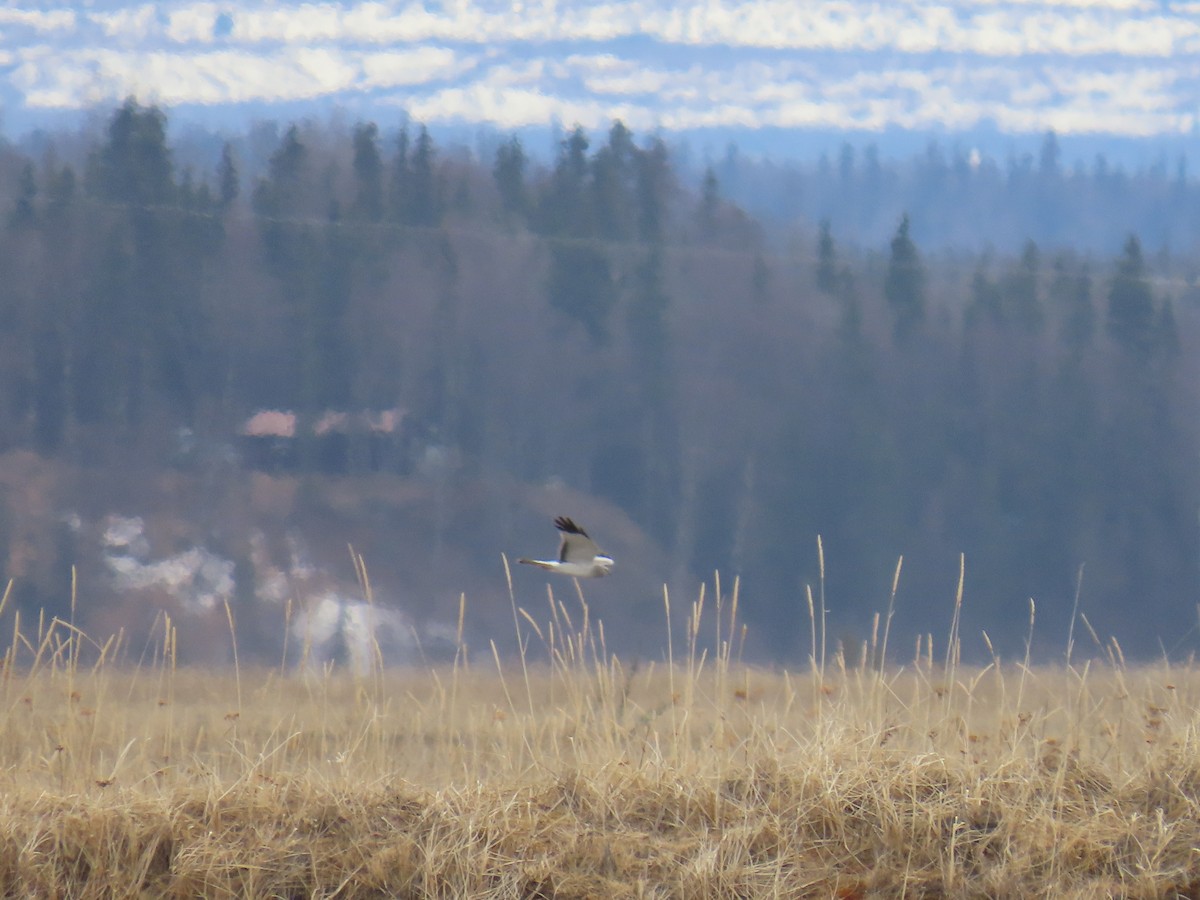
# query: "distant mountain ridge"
731,71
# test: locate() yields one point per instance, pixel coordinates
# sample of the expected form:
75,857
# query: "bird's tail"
535,562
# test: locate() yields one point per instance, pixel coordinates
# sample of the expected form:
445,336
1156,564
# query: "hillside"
190,547
398,347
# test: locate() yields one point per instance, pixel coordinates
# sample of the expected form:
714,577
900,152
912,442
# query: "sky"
1123,68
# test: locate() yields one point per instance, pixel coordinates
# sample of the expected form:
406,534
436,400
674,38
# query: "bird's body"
578,554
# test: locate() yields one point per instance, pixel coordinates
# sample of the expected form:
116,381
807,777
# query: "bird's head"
603,564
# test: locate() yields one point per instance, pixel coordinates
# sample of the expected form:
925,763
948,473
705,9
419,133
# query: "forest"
963,200
733,387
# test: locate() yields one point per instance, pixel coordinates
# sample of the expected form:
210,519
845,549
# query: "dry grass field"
566,772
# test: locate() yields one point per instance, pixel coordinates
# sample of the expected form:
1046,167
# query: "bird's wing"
575,545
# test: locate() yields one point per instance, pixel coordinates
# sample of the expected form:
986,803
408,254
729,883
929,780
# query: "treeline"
734,391
962,199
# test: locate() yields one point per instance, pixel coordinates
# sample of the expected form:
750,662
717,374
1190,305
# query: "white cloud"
133,24
525,72
910,28
52,79
1126,5
1072,27
381,23
194,22
792,95
41,21
606,74
1075,65
412,66
507,108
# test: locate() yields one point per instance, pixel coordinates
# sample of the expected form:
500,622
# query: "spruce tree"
145,302
228,183
986,306
710,203
1019,290
368,174
613,176
1071,292
1131,303
400,187
133,166
24,213
424,206
581,284
827,272
904,286
509,175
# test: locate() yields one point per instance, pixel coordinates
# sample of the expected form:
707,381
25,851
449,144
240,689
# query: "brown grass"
581,776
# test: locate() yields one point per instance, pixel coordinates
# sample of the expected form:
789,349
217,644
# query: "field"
565,772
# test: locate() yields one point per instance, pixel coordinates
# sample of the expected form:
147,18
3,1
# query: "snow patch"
343,631
197,579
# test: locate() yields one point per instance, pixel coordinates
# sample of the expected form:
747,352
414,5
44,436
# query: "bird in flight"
578,554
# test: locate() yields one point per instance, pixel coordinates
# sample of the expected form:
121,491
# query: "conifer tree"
827,271
1049,157
650,340
509,175
710,203
143,329
400,188
613,176
1072,293
1131,303
294,254
134,165
986,305
581,284
278,201
54,325
24,213
60,195
228,182
424,205
562,207
1020,291
368,173
904,286
649,301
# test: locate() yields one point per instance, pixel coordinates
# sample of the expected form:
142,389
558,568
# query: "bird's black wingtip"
562,523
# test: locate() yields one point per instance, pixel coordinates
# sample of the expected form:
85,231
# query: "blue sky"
1126,68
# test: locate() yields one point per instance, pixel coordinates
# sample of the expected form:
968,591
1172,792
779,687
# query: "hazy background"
284,280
